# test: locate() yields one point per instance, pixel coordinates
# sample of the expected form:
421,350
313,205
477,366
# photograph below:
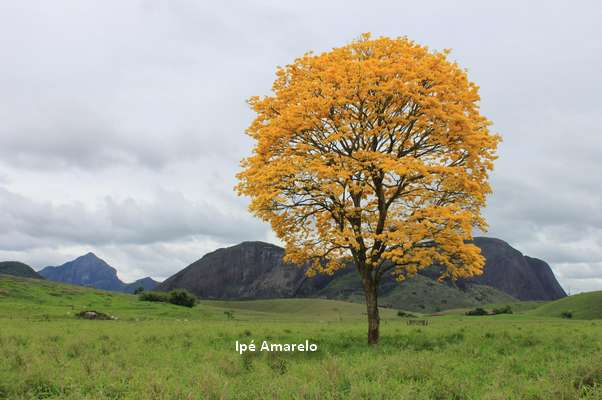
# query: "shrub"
404,314
182,297
503,310
179,297
139,290
566,314
477,311
153,296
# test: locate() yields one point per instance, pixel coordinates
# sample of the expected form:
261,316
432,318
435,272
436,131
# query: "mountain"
17,268
253,270
247,270
520,276
89,270
147,283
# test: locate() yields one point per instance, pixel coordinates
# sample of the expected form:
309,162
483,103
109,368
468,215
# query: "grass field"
581,306
162,351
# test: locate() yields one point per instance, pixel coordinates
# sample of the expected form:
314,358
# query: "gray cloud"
168,217
122,124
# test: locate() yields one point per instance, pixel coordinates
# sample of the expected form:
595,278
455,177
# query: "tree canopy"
374,152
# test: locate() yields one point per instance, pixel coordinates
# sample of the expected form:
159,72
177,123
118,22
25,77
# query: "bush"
404,314
179,297
503,310
139,290
153,296
477,311
566,314
182,297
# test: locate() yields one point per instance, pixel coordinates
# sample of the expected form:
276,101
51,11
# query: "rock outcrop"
522,277
249,270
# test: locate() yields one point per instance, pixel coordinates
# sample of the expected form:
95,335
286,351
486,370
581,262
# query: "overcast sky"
122,122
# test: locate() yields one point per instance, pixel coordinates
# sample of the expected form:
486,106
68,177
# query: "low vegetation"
479,311
156,350
160,297
405,314
566,314
179,297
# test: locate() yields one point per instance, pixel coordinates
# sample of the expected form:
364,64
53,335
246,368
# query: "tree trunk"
370,291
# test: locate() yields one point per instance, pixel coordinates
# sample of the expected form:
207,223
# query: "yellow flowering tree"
376,153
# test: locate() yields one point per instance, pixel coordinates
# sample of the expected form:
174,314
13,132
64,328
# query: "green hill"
32,299
417,294
581,306
16,268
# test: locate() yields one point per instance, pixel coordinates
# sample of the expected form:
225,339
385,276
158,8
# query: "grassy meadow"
163,351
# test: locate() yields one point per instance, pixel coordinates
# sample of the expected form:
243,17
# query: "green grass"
581,306
162,351
296,309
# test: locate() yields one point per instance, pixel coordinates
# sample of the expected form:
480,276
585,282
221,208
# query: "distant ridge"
147,283
255,270
17,268
90,270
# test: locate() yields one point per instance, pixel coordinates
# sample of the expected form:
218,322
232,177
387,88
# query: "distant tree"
139,290
374,152
182,297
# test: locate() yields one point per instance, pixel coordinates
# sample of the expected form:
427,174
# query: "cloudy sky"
122,122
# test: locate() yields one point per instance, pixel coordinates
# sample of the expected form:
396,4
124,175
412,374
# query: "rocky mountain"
89,270
520,276
252,270
247,270
17,268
